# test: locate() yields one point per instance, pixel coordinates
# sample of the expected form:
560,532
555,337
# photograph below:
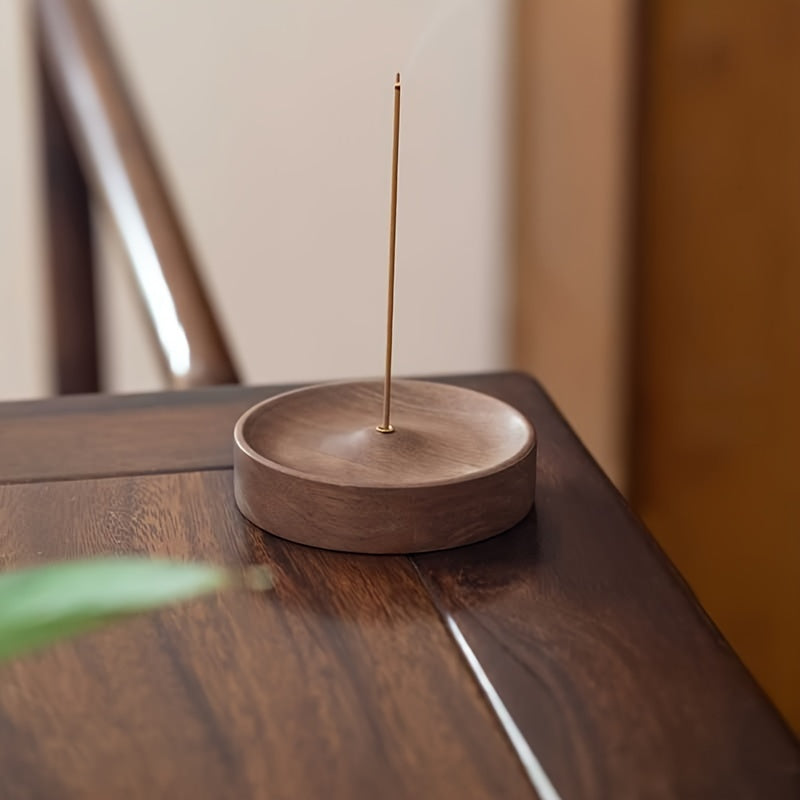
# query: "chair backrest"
95,146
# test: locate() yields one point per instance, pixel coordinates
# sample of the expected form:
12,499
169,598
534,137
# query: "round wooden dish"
310,466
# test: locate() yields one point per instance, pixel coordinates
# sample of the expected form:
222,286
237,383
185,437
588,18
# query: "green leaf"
41,604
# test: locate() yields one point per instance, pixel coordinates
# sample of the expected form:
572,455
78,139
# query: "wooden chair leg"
70,262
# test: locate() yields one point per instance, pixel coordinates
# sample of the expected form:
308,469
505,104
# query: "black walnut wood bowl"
310,466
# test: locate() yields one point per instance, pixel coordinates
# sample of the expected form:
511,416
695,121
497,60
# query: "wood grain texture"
310,466
86,436
718,367
70,250
620,684
122,171
617,681
342,683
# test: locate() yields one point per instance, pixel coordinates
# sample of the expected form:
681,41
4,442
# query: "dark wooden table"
565,657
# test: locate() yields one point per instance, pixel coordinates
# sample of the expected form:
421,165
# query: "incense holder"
310,466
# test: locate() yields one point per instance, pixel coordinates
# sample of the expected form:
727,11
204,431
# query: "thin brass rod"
386,426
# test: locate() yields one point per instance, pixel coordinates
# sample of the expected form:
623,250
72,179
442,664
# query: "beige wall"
273,121
21,322
275,124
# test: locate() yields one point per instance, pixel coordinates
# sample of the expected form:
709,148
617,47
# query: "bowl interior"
442,434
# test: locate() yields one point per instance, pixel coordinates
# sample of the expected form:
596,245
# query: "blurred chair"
95,148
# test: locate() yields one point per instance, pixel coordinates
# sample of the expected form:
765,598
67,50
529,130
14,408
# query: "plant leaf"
41,604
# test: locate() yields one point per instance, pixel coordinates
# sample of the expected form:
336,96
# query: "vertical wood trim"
571,198
522,102
70,258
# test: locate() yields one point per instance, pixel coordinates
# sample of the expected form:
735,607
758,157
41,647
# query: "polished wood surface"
90,435
340,684
313,466
121,169
718,367
372,675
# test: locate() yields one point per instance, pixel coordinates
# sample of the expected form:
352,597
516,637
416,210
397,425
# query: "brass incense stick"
386,426
408,495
